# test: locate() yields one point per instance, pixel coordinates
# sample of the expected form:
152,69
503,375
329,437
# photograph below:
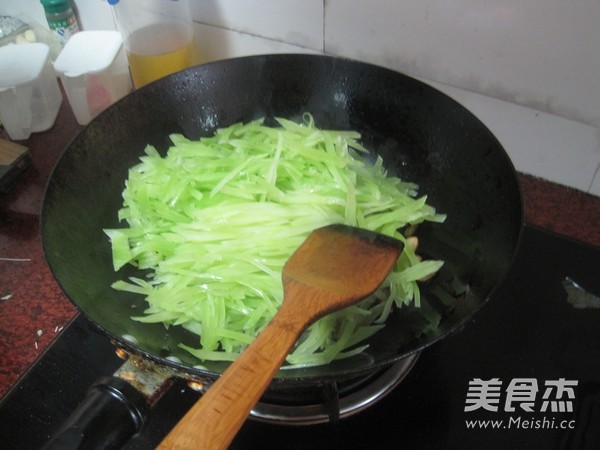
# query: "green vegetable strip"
215,220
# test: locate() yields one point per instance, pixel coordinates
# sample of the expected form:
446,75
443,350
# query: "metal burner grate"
336,402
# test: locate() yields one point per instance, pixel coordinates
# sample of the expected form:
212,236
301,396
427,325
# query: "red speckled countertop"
33,309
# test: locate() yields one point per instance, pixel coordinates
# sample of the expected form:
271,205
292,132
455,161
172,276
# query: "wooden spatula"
335,267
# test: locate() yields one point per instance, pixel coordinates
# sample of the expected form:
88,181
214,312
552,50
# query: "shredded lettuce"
214,220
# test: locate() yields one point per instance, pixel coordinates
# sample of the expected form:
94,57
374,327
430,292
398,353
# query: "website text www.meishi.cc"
521,423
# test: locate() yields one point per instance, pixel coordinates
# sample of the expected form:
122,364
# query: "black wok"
422,135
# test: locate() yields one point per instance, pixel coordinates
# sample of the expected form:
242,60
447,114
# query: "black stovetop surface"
528,333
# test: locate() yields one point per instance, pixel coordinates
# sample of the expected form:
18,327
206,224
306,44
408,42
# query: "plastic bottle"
158,36
61,19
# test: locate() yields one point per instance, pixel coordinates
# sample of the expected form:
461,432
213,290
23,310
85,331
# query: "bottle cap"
88,52
55,6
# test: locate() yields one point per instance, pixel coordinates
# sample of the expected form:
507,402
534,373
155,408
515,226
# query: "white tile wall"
294,22
542,144
218,43
540,53
529,70
94,14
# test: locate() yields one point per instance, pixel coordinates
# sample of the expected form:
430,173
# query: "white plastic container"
94,72
30,96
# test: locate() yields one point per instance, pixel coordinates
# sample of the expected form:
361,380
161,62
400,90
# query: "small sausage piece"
413,242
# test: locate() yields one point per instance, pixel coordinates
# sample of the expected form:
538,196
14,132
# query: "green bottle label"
64,28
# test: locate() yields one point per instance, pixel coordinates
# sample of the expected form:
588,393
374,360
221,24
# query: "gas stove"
524,373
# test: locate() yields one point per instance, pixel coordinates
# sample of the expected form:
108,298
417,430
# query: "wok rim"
194,372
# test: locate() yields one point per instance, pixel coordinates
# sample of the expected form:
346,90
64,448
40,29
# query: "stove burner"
337,401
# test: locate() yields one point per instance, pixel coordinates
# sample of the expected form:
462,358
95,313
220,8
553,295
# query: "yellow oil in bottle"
159,50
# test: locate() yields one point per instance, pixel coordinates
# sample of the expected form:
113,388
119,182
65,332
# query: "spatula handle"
214,420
